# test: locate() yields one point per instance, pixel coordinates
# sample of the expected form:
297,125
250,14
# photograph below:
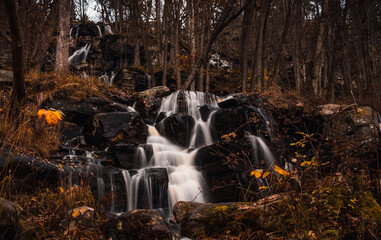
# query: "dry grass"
48,214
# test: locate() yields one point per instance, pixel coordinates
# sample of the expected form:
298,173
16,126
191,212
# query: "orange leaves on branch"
52,117
257,173
229,136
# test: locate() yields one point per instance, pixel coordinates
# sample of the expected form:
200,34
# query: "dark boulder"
158,177
71,134
177,129
28,171
133,79
116,127
205,112
235,101
161,116
138,224
123,155
148,108
242,120
225,165
206,220
80,113
231,120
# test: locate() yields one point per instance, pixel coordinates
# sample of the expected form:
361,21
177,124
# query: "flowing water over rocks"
176,152
177,162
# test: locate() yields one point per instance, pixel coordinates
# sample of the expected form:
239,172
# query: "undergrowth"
48,214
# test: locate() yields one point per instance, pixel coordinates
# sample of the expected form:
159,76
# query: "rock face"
243,119
138,224
355,123
79,113
28,172
177,129
9,219
6,77
160,91
132,79
224,169
116,127
148,107
203,220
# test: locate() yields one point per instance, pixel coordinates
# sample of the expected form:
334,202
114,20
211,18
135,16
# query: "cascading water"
79,56
164,172
184,181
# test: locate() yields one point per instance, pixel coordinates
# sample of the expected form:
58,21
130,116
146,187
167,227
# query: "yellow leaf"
61,189
76,214
281,171
266,174
305,163
257,173
60,165
120,225
263,187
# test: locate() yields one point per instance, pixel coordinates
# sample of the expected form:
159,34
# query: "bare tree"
62,49
18,92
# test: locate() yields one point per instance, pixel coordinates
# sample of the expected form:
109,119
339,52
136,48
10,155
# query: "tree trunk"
258,73
192,38
137,54
319,56
176,44
18,92
245,36
62,50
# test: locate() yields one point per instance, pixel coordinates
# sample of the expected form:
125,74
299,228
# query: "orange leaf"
51,118
42,112
76,214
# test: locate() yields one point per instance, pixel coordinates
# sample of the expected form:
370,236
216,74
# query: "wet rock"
203,220
234,101
161,116
205,112
148,108
138,224
123,155
177,129
158,178
116,127
231,120
133,79
72,134
9,219
28,172
160,91
223,165
80,113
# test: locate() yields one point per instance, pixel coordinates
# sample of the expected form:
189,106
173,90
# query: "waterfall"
185,182
79,56
261,151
